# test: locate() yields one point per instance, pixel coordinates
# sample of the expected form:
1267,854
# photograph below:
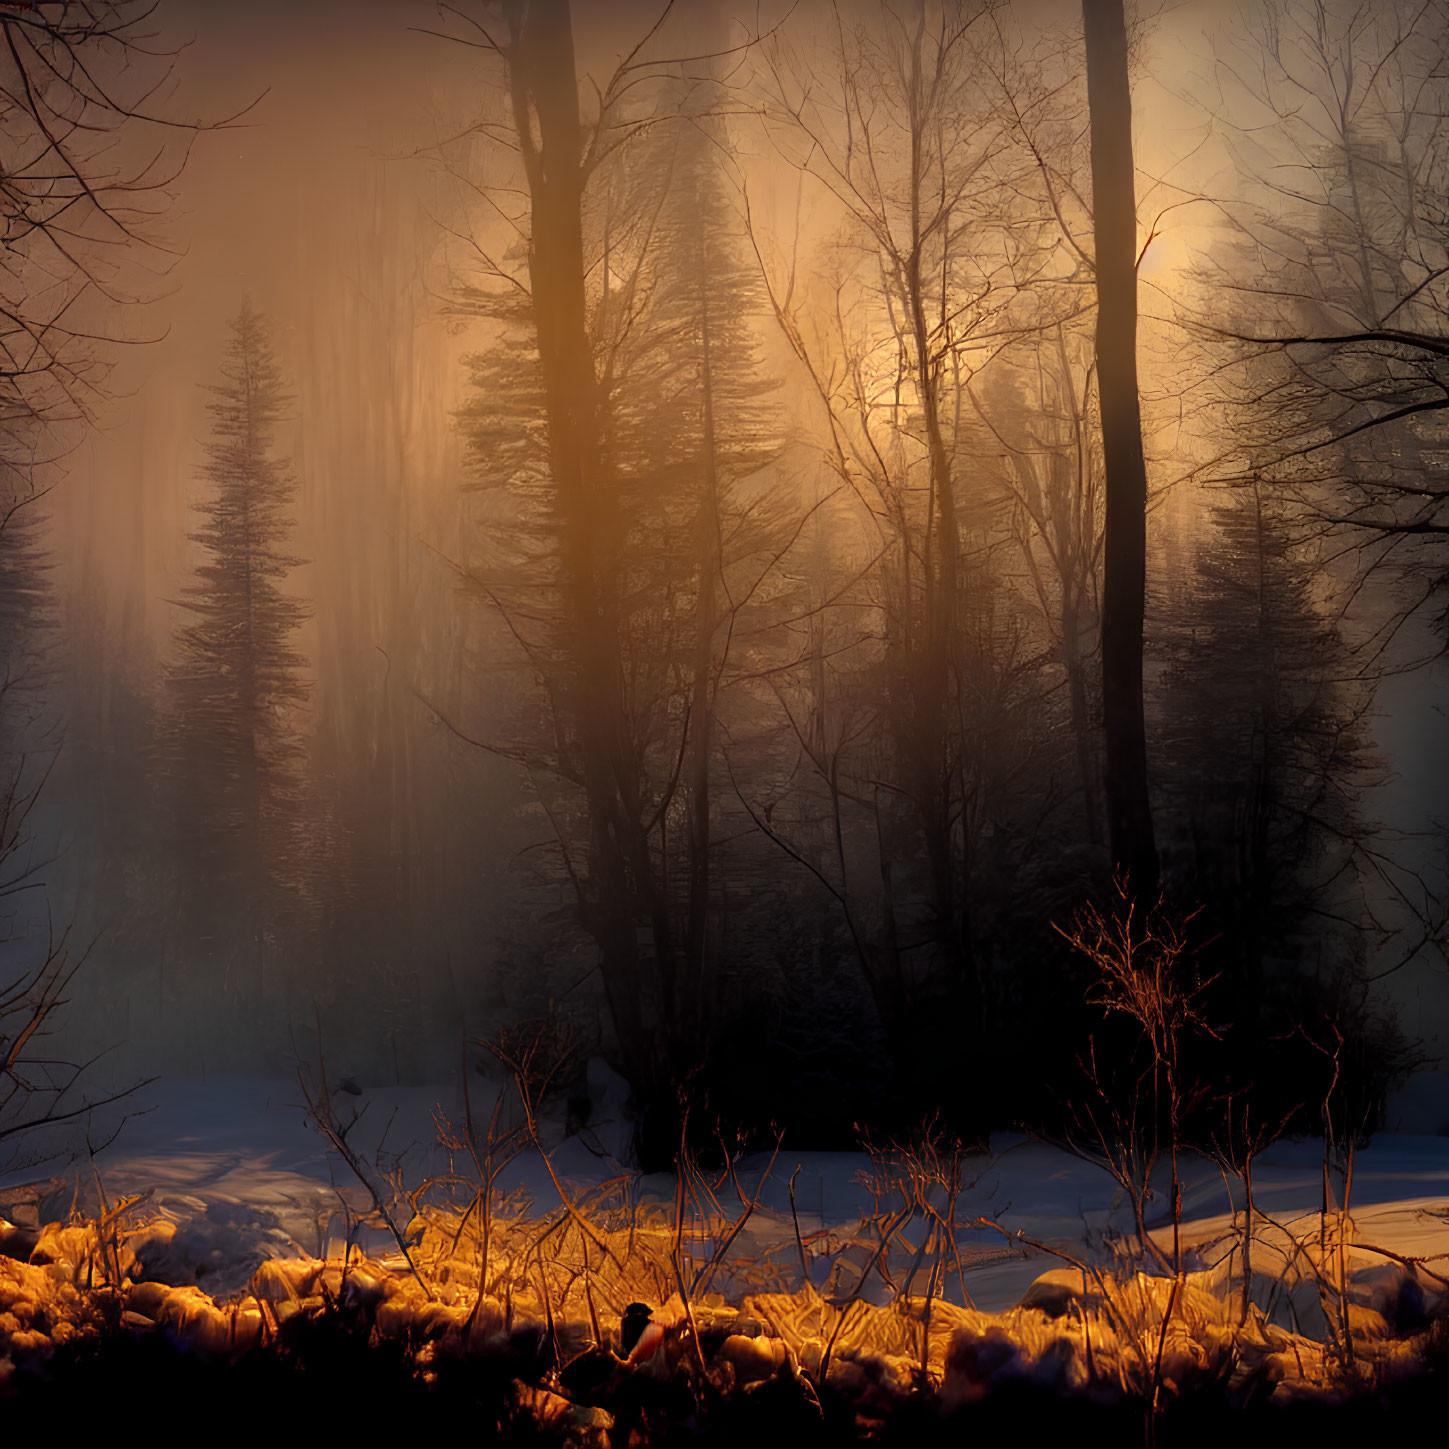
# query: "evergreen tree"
1265,745
235,682
696,410
631,546
1265,753
34,968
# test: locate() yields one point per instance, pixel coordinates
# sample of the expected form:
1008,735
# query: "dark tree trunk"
1129,814
702,702
544,94
935,668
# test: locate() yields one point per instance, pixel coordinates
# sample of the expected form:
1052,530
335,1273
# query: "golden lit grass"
571,1275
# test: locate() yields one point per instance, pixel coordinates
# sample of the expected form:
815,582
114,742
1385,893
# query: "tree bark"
544,96
1114,211
702,700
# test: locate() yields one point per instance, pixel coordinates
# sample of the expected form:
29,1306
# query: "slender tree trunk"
1129,814
935,667
1077,694
701,706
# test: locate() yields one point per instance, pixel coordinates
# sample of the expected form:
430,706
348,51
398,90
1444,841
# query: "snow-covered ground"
235,1165
215,1220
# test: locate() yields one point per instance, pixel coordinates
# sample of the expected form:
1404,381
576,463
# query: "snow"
235,1166
238,1205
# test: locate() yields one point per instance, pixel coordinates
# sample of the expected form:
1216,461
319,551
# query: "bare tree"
618,429
1037,404
87,156
559,153
885,114
1336,308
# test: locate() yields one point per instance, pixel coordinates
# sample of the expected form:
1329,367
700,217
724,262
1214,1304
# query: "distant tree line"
824,608
86,162
896,709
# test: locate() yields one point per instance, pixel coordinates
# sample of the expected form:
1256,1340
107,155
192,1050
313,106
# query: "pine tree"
697,413
235,682
1264,740
615,426
1265,755
33,964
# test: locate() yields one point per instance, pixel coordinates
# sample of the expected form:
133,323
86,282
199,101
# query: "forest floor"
218,1248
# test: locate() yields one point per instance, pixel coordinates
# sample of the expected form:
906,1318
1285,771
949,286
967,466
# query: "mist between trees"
646,564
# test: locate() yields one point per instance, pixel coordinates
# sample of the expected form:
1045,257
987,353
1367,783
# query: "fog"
435,895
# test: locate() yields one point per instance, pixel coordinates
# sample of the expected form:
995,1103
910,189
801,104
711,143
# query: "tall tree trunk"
544,95
936,667
1114,209
702,695
1071,626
